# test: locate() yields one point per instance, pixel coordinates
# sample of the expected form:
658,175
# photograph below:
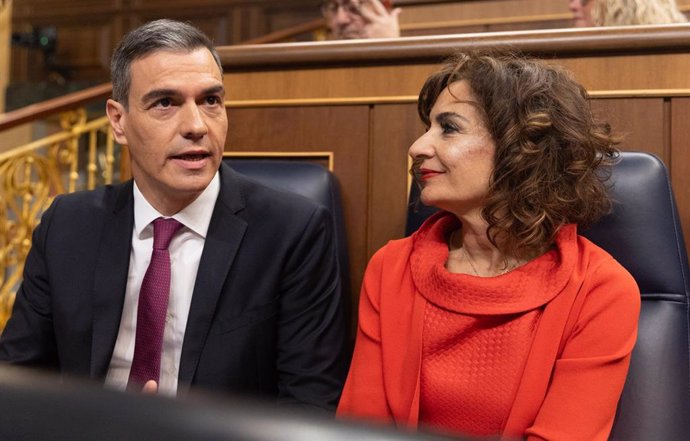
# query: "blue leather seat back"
311,181
644,234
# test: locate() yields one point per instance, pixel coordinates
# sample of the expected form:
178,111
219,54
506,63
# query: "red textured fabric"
472,362
153,306
471,367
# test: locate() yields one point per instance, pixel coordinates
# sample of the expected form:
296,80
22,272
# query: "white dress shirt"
185,253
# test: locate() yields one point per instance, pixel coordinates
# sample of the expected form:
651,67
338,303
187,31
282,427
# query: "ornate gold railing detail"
80,157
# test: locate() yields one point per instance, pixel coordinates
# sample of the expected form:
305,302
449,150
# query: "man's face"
175,126
344,19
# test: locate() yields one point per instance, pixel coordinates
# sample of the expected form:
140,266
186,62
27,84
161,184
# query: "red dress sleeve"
588,377
364,396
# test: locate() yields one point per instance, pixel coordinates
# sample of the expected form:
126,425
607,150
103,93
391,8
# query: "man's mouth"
192,156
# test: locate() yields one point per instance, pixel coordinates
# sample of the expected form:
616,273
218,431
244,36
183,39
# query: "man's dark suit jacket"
265,316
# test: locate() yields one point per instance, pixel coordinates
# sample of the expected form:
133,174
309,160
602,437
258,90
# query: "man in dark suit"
250,297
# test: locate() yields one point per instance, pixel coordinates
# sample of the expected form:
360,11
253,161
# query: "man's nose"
193,124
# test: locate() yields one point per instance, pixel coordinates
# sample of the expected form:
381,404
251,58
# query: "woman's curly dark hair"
552,157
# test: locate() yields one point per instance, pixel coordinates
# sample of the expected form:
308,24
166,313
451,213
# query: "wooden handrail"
52,106
614,40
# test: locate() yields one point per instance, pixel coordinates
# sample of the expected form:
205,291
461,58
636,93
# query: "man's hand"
380,23
150,388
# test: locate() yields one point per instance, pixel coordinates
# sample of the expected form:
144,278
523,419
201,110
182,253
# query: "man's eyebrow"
157,94
214,90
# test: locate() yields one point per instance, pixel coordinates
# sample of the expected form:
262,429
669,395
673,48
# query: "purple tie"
153,306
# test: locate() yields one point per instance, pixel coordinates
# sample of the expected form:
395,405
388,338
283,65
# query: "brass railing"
82,155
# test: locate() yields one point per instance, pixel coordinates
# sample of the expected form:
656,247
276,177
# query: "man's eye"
164,102
212,100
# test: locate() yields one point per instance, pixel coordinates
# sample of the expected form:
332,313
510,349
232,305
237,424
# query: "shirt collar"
195,216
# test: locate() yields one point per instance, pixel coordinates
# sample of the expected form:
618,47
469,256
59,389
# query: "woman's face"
582,12
454,159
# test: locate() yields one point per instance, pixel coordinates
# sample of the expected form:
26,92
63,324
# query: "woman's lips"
426,174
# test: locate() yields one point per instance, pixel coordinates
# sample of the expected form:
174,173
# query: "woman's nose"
421,147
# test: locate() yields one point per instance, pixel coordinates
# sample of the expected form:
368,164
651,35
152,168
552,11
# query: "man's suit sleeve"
28,338
311,342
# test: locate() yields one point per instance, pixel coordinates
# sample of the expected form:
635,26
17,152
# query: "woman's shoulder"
608,281
396,250
598,259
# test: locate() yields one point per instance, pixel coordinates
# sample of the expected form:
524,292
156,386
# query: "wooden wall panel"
627,72
641,122
484,16
680,159
336,82
556,23
343,130
488,9
393,130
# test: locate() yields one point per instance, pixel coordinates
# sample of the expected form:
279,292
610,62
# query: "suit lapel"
223,240
110,279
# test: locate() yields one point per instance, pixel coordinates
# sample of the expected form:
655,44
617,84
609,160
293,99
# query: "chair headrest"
643,231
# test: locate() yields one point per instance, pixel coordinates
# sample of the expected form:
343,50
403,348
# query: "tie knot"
163,232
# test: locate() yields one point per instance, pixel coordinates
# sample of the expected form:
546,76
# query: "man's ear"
116,114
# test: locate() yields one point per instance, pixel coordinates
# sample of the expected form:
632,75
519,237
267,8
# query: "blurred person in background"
625,12
350,19
582,12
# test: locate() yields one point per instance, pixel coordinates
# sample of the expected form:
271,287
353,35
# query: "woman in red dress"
496,318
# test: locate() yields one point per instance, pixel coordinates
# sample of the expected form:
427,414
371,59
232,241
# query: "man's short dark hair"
156,35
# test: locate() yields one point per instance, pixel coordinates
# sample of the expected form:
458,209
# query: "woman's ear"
117,114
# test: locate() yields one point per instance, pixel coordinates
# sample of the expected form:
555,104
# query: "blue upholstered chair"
314,182
644,234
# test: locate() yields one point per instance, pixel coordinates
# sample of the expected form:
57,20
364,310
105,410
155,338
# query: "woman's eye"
448,128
